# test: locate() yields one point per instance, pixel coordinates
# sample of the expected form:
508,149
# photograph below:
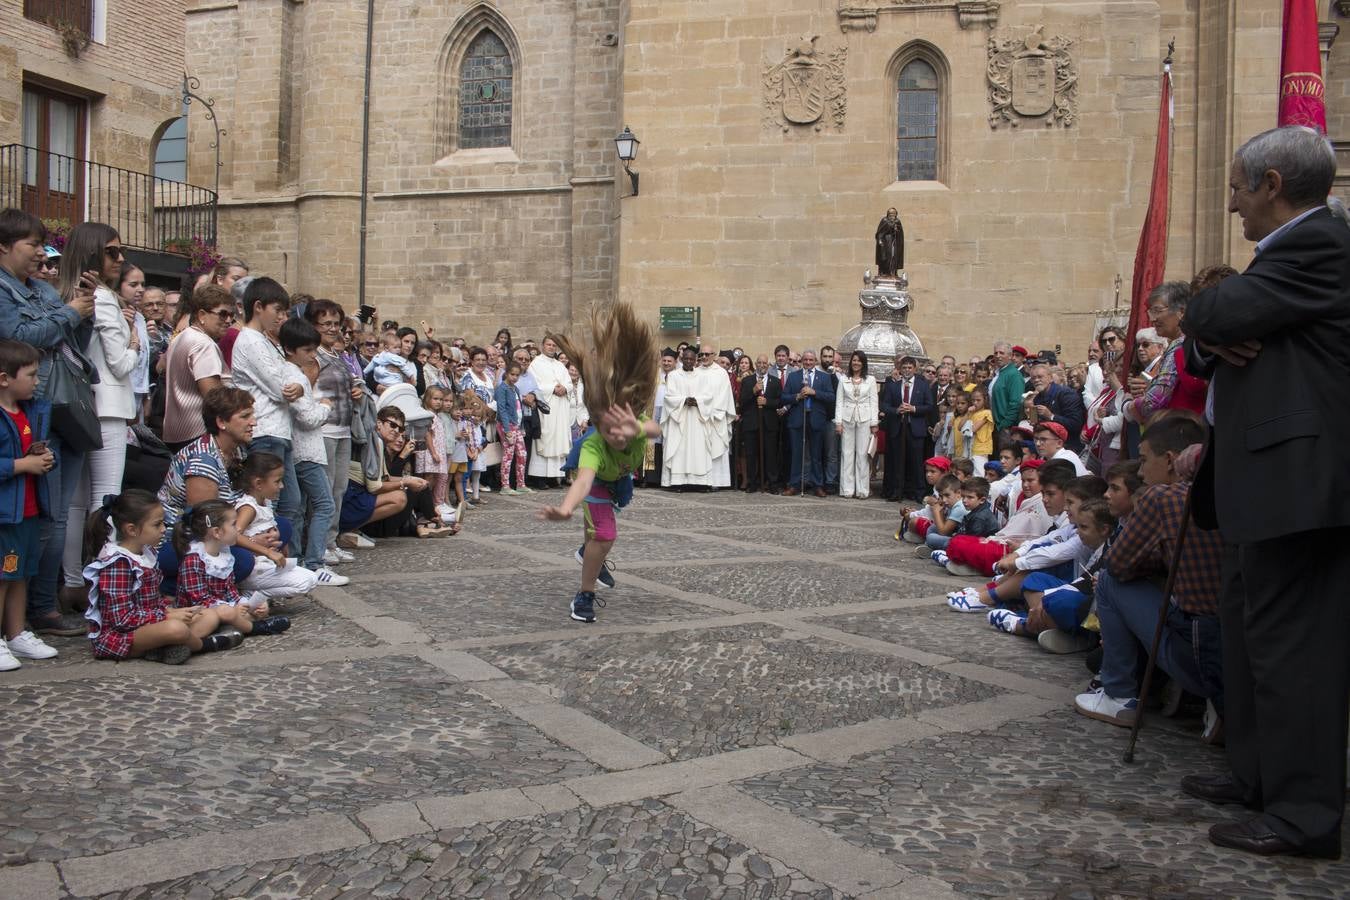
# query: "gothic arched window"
916,122
485,87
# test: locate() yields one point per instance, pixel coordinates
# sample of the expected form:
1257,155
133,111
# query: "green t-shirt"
610,464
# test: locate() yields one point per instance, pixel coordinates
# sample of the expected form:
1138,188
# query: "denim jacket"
32,312
11,486
507,398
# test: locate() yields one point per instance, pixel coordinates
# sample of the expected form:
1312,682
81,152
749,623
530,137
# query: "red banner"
1302,91
1150,259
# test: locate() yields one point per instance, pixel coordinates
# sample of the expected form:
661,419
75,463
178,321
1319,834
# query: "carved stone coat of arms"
1032,78
805,87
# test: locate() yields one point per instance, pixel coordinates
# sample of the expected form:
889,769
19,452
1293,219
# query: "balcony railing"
149,213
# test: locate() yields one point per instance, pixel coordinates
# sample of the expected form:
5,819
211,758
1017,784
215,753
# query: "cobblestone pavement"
774,704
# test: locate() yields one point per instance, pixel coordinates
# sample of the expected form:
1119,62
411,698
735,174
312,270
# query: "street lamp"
627,144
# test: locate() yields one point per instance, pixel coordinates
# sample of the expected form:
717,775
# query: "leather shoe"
820,492
1220,789
1254,836
789,492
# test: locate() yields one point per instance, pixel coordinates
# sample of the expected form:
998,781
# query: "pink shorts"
601,523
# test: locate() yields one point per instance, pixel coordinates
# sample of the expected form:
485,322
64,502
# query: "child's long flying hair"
619,367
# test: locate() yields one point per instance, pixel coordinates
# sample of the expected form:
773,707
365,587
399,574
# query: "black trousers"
769,477
1285,620
893,471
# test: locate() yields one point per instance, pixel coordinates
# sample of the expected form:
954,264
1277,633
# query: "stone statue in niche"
804,86
1032,77
890,245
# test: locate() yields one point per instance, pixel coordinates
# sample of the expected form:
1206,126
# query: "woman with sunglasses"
33,312
194,365
115,351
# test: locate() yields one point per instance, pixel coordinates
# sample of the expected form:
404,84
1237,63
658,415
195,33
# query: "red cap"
1020,429
938,462
1054,428
1032,464
1017,348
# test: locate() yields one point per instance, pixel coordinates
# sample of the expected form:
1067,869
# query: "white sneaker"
1099,705
485,489
7,661
331,558
30,646
326,577
363,542
344,556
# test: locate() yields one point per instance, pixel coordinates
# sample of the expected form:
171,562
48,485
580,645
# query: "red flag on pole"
1150,259
1302,91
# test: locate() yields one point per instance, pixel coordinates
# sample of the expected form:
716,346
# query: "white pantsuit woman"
855,420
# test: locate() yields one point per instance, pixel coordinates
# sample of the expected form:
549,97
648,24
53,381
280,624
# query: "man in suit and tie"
758,403
1057,403
1276,341
809,400
905,404
781,368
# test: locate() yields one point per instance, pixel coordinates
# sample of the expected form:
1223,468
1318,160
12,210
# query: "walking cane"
1162,622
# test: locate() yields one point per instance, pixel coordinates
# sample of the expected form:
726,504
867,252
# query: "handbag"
71,393
491,454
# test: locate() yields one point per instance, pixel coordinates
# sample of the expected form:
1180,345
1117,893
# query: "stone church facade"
1015,139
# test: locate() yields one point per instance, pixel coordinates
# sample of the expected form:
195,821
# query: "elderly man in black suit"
1057,403
757,402
1276,340
905,403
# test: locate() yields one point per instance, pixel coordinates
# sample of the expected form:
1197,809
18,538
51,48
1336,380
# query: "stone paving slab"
1043,808
780,584
536,599
641,849
692,693
102,764
405,555
812,537
638,546
965,636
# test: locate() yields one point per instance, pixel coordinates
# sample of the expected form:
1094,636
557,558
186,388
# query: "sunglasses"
370,343
397,429
48,264
113,252
225,315
705,356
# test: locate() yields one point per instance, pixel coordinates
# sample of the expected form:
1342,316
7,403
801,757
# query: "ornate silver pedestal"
884,332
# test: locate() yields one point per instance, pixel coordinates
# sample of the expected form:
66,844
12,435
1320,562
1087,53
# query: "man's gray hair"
1303,157
237,289
1174,294
1003,345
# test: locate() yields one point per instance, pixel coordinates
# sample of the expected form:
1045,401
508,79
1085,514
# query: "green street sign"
680,318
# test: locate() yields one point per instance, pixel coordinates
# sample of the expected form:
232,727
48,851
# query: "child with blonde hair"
433,459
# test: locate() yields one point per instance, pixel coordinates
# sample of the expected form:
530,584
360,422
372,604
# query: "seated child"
1003,490
1055,604
967,556
978,522
128,617
273,576
202,538
933,470
1055,553
963,468
945,513
389,367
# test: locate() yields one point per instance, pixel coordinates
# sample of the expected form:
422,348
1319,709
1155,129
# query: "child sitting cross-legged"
128,617
978,520
914,526
1043,552
1055,607
944,514
202,537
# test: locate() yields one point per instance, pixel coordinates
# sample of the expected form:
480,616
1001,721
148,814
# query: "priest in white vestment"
699,410
555,427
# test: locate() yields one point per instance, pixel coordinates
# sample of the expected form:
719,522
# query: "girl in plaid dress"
127,615
202,538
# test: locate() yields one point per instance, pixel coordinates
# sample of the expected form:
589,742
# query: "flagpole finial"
1171,51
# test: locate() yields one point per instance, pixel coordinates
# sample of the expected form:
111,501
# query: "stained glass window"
485,94
916,121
